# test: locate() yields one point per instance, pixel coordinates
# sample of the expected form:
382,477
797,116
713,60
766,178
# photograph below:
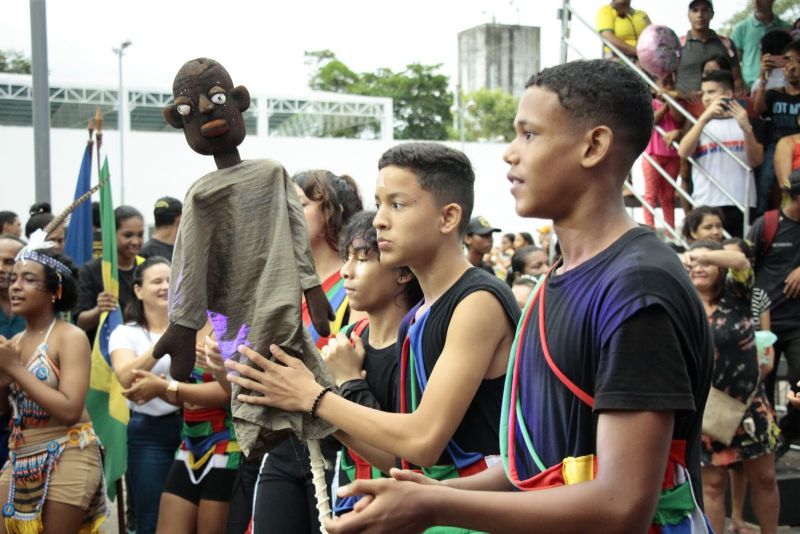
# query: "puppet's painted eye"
184,109
218,98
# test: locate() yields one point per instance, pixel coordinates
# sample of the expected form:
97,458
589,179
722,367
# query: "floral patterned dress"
736,373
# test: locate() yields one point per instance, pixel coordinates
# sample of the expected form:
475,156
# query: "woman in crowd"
284,496
53,479
703,223
523,239
42,215
502,255
199,481
527,261
154,429
92,300
714,63
727,300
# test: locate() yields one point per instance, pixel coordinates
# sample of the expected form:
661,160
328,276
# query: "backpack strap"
771,222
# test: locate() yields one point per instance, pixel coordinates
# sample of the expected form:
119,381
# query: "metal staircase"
566,15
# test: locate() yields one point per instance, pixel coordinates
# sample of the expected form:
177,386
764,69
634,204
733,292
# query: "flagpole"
98,123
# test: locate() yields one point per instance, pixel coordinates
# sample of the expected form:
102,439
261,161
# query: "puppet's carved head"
208,107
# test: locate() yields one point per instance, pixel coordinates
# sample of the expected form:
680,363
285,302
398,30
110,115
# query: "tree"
489,115
788,10
330,74
14,61
420,95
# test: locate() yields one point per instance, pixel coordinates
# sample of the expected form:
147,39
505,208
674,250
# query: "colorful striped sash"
333,287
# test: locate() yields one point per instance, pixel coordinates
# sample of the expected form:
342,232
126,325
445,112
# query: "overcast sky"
262,42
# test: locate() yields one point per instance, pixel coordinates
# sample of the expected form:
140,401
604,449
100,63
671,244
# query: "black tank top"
478,430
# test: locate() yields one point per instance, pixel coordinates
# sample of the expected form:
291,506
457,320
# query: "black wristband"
313,411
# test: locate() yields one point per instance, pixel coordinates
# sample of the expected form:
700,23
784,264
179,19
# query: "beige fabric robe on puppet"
243,252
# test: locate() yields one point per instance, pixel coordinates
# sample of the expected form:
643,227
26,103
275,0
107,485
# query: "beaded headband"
49,261
30,252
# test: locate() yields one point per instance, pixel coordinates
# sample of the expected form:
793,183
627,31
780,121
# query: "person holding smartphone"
727,121
781,106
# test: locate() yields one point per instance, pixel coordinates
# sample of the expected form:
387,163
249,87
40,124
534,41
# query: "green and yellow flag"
107,407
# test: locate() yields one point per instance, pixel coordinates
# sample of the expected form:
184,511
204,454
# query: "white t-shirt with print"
721,166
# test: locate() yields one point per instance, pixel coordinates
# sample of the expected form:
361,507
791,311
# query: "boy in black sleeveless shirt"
451,378
605,391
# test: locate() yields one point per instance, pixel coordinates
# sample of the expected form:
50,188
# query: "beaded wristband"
313,411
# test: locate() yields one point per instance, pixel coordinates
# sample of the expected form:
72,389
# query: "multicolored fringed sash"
209,440
32,467
333,287
677,512
348,461
412,375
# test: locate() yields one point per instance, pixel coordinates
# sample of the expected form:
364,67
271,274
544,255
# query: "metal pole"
121,124
122,115
565,16
41,99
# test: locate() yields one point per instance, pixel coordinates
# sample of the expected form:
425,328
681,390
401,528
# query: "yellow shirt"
627,28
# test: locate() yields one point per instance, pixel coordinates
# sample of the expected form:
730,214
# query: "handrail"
673,103
658,217
670,180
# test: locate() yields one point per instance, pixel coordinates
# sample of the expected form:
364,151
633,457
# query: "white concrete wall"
159,164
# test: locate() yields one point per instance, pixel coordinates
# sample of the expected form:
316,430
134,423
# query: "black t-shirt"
782,109
478,430
628,328
154,247
90,284
774,266
379,390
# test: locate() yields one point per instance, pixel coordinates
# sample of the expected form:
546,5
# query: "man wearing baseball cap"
700,44
167,213
478,241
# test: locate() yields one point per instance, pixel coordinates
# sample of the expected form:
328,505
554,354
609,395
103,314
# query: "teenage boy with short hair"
609,385
727,121
454,345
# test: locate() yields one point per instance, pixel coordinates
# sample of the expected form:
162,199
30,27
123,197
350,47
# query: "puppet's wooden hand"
320,310
178,341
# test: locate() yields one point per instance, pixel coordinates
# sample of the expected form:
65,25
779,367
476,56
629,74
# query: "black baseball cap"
167,206
480,226
694,3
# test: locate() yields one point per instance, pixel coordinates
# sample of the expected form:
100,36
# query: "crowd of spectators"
734,150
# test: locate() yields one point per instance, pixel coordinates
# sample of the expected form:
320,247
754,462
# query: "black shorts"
217,485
